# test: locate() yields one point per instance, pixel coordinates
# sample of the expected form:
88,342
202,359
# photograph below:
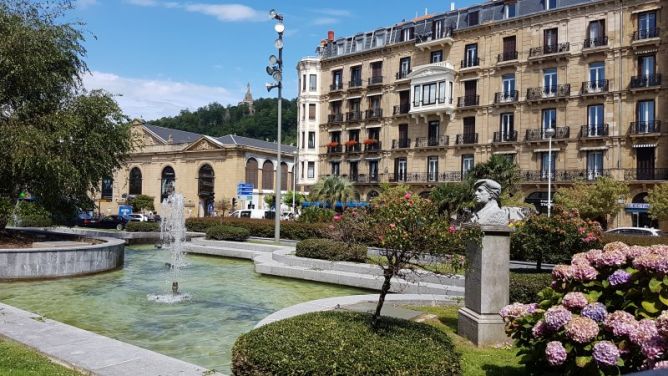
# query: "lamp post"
275,70
549,133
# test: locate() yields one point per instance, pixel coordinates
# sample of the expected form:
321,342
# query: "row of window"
312,82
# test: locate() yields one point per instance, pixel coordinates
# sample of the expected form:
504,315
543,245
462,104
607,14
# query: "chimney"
330,35
452,6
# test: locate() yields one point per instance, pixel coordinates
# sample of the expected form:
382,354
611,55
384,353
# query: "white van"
249,213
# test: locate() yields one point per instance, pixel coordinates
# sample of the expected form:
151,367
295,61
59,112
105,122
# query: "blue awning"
350,204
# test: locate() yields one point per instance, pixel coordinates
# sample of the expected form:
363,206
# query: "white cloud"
152,99
324,21
228,12
333,12
143,3
83,4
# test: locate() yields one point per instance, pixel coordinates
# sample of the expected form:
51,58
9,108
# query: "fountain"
172,236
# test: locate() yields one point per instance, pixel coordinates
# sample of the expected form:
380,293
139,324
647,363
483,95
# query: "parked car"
250,213
636,231
138,218
110,221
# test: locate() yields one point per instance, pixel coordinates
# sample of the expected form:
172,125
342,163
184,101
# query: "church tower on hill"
248,100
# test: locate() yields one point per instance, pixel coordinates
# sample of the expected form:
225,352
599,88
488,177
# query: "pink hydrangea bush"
605,313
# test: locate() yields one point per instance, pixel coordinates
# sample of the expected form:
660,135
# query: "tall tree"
332,189
500,169
658,202
56,140
596,201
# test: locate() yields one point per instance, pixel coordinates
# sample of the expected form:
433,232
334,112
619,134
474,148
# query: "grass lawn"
19,360
475,361
436,267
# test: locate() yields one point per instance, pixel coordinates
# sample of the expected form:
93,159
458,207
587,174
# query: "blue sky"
161,56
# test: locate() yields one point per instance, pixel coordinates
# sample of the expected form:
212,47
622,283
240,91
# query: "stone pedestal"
487,288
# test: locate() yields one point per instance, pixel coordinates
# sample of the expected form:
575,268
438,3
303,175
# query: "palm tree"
333,189
498,168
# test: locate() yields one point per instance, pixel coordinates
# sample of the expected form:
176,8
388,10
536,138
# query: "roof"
230,139
178,136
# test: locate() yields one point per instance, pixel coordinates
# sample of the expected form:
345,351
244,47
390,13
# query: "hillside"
216,120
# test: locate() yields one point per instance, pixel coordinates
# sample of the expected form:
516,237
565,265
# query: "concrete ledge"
86,351
129,237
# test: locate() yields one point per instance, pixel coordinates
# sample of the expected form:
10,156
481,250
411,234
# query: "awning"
372,159
320,204
355,97
373,126
353,128
589,148
505,152
637,208
554,150
334,130
354,160
644,146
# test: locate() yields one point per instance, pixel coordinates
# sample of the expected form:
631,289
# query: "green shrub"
314,214
332,250
262,228
344,343
31,214
6,208
201,224
142,227
644,241
222,232
525,285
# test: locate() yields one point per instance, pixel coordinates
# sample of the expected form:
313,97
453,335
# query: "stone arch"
251,172
167,182
205,189
268,175
284,176
135,181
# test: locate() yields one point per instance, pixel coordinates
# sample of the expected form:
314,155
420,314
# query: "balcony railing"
335,118
375,80
426,142
373,147
468,100
466,139
646,34
594,130
357,83
506,97
402,143
646,174
354,148
500,137
335,149
469,63
336,86
401,109
425,177
546,92
368,179
429,36
403,74
354,116
595,42
539,134
593,87
507,56
549,50
638,82
374,114
645,127
563,175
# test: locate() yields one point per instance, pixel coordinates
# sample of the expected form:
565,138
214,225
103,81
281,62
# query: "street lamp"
275,70
549,133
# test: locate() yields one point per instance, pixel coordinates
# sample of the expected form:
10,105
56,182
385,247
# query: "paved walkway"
86,351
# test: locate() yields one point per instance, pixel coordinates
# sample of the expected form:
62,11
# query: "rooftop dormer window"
473,18
550,4
509,10
407,34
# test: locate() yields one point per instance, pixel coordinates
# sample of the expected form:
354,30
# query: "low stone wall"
129,237
56,262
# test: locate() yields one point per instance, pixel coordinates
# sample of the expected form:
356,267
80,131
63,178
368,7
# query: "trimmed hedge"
644,241
525,285
332,250
142,227
262,228
344,343
222,232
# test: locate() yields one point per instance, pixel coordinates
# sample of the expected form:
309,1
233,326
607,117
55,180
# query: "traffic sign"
245,191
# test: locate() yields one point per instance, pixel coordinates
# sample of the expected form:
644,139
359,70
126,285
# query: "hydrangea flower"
562,272
582,329
580,259
574,300
620,323
540,329
593,254
595,311
515,310
584,273
556,353
610,258
654,348
606,353
619,277
615,246
644,332
662,324
556,317
652,263
634,251
661,365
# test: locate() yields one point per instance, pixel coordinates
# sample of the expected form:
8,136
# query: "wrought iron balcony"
335,118
353,148
500,137
506,97
466,139
402,143
468,100
594,87
539,134
639,82
334,149
375,80
428,142
372,147
425,177
401,109
646,174
563,175
645,127
595,42
337,86
354,116
507,56
549,50
547,92
403,74
374,114
594,131
470,63
354,84
368,179
429,36
646,34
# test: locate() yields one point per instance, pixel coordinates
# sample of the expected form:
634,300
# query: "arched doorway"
167,182
639,210
135,181
205,191
251,172
268,175
284,176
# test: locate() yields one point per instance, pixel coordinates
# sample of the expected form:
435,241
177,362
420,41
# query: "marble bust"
489,211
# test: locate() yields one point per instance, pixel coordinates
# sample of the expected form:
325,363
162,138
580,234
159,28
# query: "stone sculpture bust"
489,211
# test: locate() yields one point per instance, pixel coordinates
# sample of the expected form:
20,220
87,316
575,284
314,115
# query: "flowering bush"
605,313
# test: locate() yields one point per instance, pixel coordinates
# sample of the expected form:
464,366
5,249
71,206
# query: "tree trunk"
539,264
381,299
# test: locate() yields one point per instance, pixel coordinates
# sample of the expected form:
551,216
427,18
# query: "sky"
162,56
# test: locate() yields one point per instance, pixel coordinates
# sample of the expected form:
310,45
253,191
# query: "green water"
228,299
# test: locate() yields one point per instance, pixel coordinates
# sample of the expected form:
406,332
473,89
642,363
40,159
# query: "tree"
595,201
57,141
333,189
657,199
453,199
299,198
142,202
500,169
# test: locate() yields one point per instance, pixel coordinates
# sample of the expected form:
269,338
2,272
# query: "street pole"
549,133
275,69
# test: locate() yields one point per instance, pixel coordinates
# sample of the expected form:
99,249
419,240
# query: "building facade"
206,170
308,71
422,101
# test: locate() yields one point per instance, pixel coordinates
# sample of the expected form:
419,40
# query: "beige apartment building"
424,100
206,170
